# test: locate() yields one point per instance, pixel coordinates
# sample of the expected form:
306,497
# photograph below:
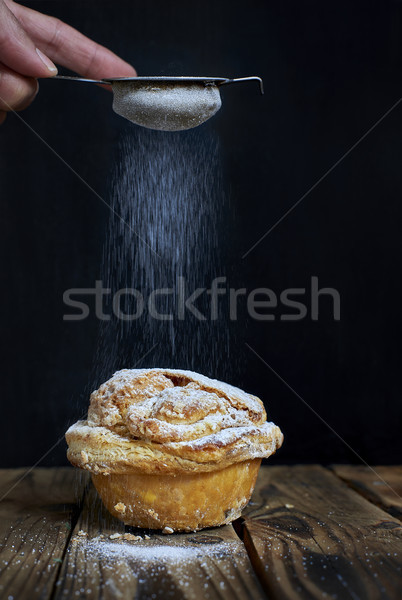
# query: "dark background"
331,70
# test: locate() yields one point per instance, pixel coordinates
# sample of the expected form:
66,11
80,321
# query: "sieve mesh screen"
166,106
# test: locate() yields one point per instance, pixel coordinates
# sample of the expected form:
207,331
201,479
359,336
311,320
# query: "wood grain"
372,484
211,564
36,516
310,536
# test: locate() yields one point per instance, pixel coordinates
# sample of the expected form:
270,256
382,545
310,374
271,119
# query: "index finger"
70,48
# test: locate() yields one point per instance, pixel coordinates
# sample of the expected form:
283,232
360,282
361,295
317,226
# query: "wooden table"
308,532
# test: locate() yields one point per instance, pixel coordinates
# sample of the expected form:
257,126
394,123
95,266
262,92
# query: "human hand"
31,41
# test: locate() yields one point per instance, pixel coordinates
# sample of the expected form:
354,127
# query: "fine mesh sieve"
166,103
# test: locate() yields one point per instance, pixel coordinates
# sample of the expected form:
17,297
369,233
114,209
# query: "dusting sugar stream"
168,189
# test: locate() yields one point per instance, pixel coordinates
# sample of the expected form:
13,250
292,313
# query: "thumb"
18,51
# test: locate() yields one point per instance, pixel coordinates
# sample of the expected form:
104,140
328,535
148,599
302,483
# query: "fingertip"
49,64
131,72
3,116
126,70
114,68
123,68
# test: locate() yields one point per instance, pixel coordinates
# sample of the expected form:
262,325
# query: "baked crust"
169,421
186,502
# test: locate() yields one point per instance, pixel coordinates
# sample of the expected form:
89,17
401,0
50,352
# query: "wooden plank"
211,564
373,485
310,536
36,516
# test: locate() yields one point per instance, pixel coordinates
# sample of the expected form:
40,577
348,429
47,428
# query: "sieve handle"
79,79
252,78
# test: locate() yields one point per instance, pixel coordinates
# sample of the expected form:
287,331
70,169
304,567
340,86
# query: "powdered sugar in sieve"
165,106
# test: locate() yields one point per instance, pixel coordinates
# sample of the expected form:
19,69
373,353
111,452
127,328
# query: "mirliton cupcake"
172,449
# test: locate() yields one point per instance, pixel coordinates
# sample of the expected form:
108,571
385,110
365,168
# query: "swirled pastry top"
150,420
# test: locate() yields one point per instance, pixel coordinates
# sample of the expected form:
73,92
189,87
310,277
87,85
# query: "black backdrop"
331,70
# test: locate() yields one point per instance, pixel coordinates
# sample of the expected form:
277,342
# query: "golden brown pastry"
172,449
